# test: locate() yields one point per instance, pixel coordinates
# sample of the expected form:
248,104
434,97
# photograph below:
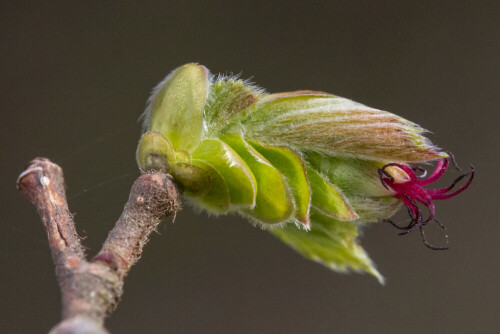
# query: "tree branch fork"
91,289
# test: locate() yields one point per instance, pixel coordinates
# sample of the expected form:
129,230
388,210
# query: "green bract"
303,163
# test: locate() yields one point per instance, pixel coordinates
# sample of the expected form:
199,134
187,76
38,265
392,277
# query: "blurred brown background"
75,77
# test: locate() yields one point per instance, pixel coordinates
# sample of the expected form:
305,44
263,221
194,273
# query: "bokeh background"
75,77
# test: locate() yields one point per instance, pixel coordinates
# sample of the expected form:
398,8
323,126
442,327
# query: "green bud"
155,152
176,106
306,161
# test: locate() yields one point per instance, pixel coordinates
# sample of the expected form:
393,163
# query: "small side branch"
92,289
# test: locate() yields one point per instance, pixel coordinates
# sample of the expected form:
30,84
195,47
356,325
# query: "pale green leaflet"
302,164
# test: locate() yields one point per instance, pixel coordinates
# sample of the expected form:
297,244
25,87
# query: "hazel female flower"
410,190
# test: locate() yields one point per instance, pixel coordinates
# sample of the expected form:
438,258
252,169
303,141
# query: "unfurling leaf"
309,165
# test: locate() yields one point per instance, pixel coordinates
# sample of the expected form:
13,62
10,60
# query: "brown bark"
91,289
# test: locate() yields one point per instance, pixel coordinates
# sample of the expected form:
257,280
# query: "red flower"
410,189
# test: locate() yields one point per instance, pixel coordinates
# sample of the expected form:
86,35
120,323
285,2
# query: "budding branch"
91,289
